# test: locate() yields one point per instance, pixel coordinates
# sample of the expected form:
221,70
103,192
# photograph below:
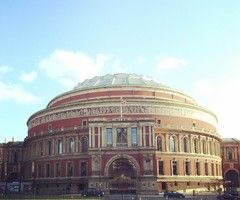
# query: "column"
179,143
114,132
77,144
103,136
144,136
153,136
64,145
139,130
167,142
99,136
90,136
150,136
129,137
93,137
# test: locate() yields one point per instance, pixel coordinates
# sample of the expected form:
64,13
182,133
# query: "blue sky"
47,47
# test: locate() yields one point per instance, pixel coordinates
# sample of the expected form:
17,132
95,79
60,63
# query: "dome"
109,83
120,79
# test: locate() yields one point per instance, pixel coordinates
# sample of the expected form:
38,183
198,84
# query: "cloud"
28,77
222,96
141,60
4,69
16,93
170,63
69,68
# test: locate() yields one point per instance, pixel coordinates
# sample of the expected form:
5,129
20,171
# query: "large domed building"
122,133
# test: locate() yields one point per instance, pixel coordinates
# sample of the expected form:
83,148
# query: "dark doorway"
13,177
164,186
82,186
232,177
122,175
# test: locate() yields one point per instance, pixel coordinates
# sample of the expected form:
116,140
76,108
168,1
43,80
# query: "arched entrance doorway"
232,177
122,176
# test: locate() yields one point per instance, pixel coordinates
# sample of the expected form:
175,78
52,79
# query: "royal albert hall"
122,133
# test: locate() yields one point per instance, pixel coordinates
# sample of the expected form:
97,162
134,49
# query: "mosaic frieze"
137,109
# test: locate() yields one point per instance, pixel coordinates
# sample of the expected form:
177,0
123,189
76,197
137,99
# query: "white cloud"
170,63
69,68
222,96
141,60
28,77
5,69
16,93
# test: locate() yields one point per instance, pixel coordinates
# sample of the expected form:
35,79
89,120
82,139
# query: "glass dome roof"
121,79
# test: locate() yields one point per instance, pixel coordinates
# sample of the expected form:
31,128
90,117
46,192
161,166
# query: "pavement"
156,197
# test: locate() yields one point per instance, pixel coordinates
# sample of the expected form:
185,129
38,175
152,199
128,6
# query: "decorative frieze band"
130,109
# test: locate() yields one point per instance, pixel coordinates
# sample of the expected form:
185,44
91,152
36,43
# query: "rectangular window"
39,171
59,147
212,166
41,149
160,167
206,169
147,135
57,170
50,127
69,169
109,136
49,147
122,136
174,168
83,169
198,168
134,136
187,168
47,170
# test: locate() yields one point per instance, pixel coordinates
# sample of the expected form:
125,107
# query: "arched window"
195,145
185,144
172,144
84,144
210,147
49,147
41,148
70,145
59,147
159,143
204,151
215,148
230,154
15,157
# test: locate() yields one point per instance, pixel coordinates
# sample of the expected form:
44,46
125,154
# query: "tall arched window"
210,147
172,144
84,144
59,147
215,148
230,154
15,157
195,145
159,143
185,144
204,150
49,147
41,148
70,145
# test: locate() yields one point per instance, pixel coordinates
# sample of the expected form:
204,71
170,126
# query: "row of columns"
99,133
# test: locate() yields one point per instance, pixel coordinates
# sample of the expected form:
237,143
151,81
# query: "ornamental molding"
163,90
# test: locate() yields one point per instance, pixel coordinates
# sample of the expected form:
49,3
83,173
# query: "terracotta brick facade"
160,140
